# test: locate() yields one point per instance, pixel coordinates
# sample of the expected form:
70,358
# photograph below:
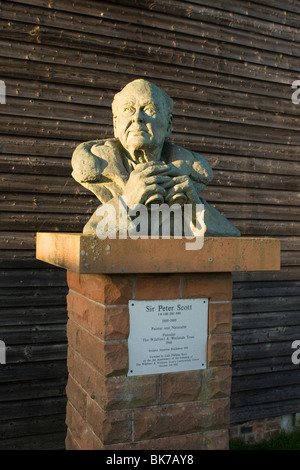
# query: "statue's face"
141,121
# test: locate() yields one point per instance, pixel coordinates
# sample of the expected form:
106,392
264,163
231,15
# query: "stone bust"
140,164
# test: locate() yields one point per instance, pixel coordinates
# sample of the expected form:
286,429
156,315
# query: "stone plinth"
171,411
87,254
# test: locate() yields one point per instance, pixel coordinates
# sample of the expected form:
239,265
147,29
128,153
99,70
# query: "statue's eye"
150,110
128,110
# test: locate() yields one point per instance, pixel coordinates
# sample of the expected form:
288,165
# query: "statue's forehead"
138,93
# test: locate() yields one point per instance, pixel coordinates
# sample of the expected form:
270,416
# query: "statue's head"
142,115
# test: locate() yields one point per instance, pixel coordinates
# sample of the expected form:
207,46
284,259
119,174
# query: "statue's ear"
169,129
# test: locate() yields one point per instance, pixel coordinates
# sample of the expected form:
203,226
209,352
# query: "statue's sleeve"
89,171
87,167
98,167
201,172
189,163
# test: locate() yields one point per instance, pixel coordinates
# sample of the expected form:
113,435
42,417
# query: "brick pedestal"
171,411
107,409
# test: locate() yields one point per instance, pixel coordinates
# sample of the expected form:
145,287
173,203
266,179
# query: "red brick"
77,396
157,286
98,445
219,413
215,286
109,358
258,427
79,429
234,431
81,370
185,442
70,442
216,440
109,426
114,289
107,323
273,424
255,431
219,350
113,393
184,418
181,387
115,359
220,317
217,382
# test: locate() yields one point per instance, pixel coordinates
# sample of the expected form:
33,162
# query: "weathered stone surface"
88,254
142,167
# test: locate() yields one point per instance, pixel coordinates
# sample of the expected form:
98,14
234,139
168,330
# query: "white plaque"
167,335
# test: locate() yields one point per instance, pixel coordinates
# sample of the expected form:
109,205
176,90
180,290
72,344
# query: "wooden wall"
229,67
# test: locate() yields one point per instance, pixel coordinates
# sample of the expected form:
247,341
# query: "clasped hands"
154,182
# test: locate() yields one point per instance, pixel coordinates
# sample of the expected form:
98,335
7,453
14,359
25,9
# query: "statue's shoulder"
192,163
103,148
95,158
107,149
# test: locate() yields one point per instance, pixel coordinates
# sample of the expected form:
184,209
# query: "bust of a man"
140,165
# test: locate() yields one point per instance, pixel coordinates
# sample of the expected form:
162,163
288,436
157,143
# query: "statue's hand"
145,182
181,190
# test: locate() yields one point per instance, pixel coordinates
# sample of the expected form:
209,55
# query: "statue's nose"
138,115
